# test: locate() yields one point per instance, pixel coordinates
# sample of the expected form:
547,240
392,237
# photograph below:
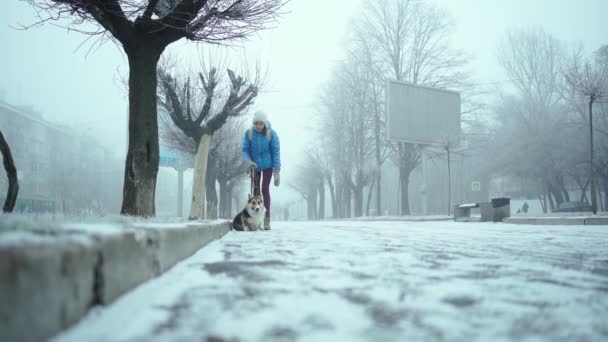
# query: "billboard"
422,115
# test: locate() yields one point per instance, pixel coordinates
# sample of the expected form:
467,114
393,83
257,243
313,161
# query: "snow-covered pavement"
374,281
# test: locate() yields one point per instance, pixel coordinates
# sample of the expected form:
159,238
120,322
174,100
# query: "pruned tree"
11,173
198,112
144,28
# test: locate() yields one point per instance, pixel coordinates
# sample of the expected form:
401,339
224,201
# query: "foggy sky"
44,67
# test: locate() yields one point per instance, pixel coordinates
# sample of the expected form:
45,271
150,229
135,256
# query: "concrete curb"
49,285
563,221
45,288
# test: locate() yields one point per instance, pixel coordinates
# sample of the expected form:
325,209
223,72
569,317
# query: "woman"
261,150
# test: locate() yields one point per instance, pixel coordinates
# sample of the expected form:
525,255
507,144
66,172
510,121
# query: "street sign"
170,157
476,186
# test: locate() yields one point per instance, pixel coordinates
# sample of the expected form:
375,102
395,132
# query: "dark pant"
266,177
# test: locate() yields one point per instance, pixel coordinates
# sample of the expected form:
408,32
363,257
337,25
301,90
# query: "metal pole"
449,183
424,185
591,176
180,192
399,209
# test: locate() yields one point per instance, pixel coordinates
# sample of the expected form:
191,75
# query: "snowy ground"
374,281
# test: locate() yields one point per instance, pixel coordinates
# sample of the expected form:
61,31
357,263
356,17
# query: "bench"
495,210
463,211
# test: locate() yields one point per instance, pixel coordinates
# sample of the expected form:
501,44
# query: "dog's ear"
249,197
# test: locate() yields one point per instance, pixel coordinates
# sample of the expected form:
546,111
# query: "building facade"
59,169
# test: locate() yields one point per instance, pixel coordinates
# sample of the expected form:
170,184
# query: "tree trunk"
198,183
309,208
339,199
223,197
314,202
605,194
321,212
332,193
583,189
348,206
225,208
228,199
404,180
543,202
379,192
550,197
11,172
369,198
210,190
141,166
557,193
358,194
180,193
565,192
378,165
601,201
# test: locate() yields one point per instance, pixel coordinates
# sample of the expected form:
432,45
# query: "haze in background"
78,84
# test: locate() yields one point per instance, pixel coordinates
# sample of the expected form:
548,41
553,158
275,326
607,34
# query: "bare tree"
532,60
532,116
144,28
347,134
413,40
365,53
191,110
11,172
226,150
307,182
589,78
333,140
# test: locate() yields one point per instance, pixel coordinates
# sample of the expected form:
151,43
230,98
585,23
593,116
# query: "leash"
252,170
253,182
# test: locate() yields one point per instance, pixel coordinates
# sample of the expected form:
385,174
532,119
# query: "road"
374,281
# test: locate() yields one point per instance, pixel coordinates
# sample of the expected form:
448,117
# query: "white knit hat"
260,116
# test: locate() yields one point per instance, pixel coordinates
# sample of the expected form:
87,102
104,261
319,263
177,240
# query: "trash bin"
502,208
487,211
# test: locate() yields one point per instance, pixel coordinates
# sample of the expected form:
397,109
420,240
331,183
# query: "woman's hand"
277,178
251,167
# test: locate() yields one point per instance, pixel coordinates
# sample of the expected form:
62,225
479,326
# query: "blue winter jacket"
264,153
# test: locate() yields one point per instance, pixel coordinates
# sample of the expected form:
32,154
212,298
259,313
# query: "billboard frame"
413,141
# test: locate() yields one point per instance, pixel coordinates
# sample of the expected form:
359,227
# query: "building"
59,169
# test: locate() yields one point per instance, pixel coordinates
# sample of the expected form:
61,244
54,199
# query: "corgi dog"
252,217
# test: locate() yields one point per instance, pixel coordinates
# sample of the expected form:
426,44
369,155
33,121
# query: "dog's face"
255,205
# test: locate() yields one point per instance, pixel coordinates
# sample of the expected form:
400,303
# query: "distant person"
525,207
286,214
261,149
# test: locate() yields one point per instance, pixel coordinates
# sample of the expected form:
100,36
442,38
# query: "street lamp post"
591,175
